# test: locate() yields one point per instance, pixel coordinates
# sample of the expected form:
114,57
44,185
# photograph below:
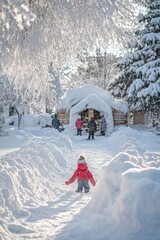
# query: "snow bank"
30,120
125,204
30,176
130,192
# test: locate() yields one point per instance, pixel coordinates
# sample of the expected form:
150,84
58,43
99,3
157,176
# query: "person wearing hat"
103,125
55,122
79,124
92,126
83,176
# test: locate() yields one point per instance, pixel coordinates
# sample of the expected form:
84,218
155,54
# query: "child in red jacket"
82,174
79,125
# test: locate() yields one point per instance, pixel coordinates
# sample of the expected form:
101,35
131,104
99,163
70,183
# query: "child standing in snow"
91,128
79,124
83,175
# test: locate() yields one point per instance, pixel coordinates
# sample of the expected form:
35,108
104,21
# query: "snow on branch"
135,86
152,90
151,38
17,10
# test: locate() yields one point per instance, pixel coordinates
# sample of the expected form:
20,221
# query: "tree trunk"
19,117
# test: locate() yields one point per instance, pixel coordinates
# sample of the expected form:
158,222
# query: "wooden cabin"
90,101
119,118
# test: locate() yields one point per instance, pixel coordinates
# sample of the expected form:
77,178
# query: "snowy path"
47,220
36,204
74,203
70,204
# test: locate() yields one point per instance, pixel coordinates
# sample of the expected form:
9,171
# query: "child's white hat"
81,160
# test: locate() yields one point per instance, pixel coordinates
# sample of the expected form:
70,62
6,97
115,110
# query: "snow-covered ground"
36,204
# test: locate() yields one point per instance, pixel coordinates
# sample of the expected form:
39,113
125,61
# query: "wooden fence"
120,118
140,118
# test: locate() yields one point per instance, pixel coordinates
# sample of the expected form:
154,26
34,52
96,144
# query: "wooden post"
90,113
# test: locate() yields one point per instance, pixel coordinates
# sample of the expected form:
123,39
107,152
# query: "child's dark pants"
83,184
79,131
91,134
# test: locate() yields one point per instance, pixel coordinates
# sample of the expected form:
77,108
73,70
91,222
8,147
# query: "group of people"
92,126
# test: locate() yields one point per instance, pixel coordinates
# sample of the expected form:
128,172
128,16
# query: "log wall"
140,118
120,118
63,116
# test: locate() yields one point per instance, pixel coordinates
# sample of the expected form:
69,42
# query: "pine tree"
139,80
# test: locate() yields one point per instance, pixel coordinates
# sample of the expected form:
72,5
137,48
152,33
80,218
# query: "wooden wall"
63,116
140,118
120,118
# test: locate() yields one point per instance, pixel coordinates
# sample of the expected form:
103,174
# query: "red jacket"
82,173
79,123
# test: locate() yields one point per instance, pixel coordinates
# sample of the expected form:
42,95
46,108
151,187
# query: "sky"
36,204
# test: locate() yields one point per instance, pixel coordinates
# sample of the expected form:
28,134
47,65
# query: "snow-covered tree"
7,93
139,80
55,84
6,97
97,68
16,10
2,121
60,31
11,97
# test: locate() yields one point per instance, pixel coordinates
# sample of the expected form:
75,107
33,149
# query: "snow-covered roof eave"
92,101
118,105
76,95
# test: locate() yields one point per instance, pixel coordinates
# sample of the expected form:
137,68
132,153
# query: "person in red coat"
83,175
79,124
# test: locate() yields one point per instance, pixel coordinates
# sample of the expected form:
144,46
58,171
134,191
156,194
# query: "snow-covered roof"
76,95
92,101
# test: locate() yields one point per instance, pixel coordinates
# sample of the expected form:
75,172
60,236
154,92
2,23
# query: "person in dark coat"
55,122
91,128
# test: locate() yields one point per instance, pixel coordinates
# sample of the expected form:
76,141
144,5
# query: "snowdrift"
125,204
